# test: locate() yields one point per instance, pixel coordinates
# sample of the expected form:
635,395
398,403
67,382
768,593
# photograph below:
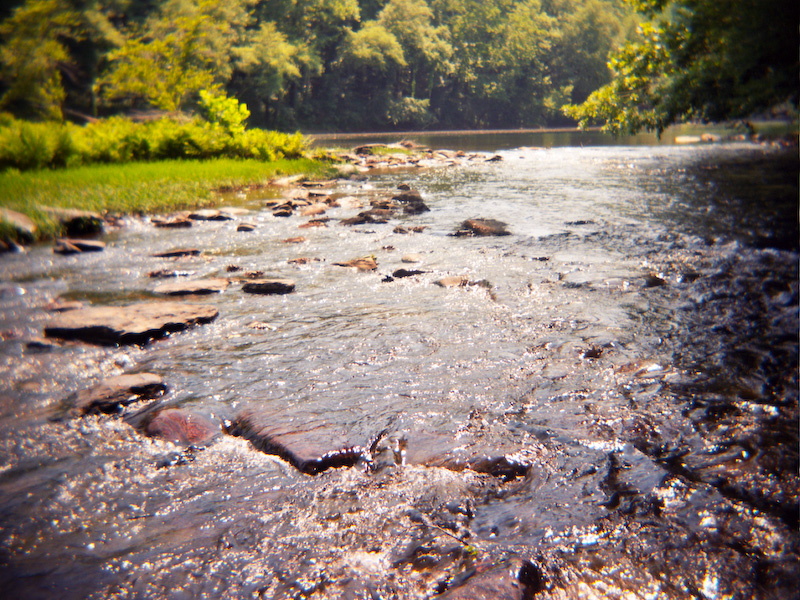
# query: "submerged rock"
269,286
513,580
482,227
182,426
453,281
115,392
312,446
132,324
215,285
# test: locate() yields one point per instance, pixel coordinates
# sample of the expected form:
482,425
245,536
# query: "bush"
26,146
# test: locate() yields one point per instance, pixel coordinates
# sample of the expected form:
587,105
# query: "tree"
699,60
183,48
33,55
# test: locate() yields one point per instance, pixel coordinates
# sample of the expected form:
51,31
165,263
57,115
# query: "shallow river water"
628,353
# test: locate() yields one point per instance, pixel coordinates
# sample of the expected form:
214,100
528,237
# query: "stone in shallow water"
312,446
269,286
132,324
213,285
75,246
182,426
111,394
482,227
178,253
514,580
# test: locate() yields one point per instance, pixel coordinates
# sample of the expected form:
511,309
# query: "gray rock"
132,324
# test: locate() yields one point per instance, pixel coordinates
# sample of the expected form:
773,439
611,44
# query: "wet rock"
482,227
411,258
312,446
23,224
513,580
362,264
408,197
214,285
166,273
314,223
59,305
178,253
209,214
363,218
400,273
653,281
415,208
440,450
269,286
181,426
403,230
453,281
76,246
246,227
132,324
294,240
314,210
77,222
285,210
172,223
495,158
115,392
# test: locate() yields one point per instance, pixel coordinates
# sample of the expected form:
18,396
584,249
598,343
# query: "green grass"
136,188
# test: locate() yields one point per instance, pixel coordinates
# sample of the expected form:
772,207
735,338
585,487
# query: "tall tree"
699,60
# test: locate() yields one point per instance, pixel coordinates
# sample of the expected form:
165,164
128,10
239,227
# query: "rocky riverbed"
515,375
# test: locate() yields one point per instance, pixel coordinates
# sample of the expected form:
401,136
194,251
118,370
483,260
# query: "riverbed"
624,361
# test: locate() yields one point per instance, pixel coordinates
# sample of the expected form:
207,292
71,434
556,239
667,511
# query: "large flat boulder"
110,395
213,285
132,324
311,445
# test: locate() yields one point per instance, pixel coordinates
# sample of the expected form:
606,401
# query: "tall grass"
136,187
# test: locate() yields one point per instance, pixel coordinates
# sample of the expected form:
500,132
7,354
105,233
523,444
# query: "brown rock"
132,324
174,223
208,214
482,227
512,580
362,264
115,392
294,240
75,246
312,446
182,427
269,286
453,281
214,285
246,227
314,209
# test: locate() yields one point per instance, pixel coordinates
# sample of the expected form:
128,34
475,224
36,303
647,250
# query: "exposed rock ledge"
132,324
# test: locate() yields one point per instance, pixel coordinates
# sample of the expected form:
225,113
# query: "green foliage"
27,146
703,61
223,111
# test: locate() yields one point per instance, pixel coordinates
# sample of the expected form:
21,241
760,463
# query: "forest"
312,64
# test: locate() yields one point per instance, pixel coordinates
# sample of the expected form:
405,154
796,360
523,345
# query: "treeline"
312,64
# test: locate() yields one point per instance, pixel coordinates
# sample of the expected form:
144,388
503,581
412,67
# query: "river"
627,357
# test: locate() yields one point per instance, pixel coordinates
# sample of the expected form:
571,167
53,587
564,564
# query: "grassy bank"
139,187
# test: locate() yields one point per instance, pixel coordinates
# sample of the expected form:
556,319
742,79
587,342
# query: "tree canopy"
369,64
699,60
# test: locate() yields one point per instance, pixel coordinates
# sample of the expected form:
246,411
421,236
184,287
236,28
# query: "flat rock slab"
312,446
209,214
76,246
514,580
115,392
213,285
178,253
181,426
269,286
440,450
132,324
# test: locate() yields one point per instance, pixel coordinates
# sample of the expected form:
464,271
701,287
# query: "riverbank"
137,187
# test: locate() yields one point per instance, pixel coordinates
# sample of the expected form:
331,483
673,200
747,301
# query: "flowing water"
632,345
